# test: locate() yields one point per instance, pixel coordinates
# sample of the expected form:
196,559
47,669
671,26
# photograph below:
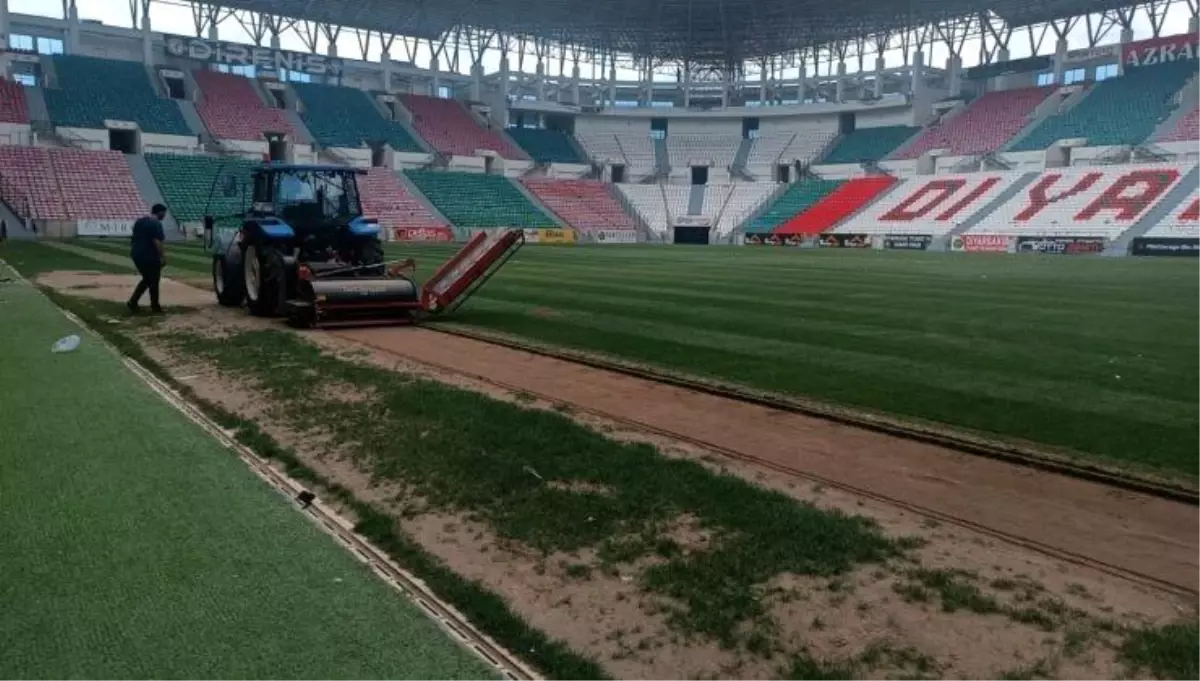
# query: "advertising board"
1163,246
616,236
417,234
550,236
845,241
907,242
981,243
104,227
1061,245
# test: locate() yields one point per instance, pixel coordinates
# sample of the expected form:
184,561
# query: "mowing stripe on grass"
123,523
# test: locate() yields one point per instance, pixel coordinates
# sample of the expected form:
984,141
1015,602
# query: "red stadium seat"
450,128
586,205
233,110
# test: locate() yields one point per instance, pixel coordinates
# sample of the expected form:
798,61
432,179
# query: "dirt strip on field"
1132,532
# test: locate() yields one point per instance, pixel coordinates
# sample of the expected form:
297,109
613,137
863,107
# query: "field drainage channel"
1173,573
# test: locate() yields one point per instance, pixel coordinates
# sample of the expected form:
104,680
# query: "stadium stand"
869,144
847,199
546,146
649,202
451,129
96,185
678,197
186,183
1096,201
928,205
1187,128
586,205
743,199
387,199
233,110
795,200
90,90
719,149
345,117
1118,111
23,170
806,146
602,147
1183,221
985,125
477,201
14,108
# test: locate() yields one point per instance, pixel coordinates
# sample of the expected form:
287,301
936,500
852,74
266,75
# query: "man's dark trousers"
151,271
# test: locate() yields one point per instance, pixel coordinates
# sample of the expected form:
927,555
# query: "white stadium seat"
930,205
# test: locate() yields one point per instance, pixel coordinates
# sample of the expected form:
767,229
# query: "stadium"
701,339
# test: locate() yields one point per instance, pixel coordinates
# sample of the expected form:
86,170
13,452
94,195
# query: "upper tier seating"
451,129
97,185
1118,111
930,205
648,201
89,91
387,199
806,146
869,144
1099,201
1182,221
345,117
1186,128
27,184
635,150
764,153
719,149
586,205
186,183
986,125
233,110
838,205
14,108
476,201
796,199
601,147
743,200
546,146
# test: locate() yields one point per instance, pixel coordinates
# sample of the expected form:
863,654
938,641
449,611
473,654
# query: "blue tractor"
302,249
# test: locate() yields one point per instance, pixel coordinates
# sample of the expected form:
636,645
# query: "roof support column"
476,82
1060,59
505,74
147,42
612,80
1001,82
575,84
434,84
839,86
763,82
4,22
800,82
687,85
922,107
954,75
726,86
72,28
877,88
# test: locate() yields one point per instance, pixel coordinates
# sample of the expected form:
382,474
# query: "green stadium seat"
91,90
546,146
186,183
1118,111
477,201
798,198
869,144
345,117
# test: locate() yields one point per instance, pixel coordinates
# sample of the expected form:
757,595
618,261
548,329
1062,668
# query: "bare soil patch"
118,287
871,615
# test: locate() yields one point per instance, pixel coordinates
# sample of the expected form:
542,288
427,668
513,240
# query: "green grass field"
135,546
1097,355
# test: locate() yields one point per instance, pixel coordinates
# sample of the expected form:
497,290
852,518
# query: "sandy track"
1133,532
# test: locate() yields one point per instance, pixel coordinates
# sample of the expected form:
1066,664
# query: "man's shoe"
133,308
157,310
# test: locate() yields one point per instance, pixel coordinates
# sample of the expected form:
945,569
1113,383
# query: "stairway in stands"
838,205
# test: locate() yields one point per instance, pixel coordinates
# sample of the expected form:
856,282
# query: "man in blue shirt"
146,250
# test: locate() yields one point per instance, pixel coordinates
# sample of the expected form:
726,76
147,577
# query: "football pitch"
1095,355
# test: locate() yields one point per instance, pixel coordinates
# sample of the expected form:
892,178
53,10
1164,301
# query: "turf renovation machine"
303,250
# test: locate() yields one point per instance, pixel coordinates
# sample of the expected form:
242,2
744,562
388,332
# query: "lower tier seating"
795,200
186,183
743,199
648,201
838,205
27,186
1182,221
69,184
930,205
477,201
387,199
14,107
586,205
546,146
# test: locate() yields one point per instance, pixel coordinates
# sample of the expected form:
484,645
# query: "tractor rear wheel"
369,255
229,287
266,289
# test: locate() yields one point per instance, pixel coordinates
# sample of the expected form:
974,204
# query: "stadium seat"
233,110
869,144
850,197
546,146
648,201
13,106
1098,201
1186,128
1118,111
743,199
186,183
451,129
387,199
796,199
345,117
89,91
929,205
26,184
476,201
987,124
634,150
586,205
96,185
1182,221
720,150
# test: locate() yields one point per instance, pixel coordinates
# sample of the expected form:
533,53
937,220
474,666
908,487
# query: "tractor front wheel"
227,285
266,289
369,255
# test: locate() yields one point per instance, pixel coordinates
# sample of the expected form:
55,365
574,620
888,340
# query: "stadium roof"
704,31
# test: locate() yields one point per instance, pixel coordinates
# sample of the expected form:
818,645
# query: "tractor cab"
320,204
